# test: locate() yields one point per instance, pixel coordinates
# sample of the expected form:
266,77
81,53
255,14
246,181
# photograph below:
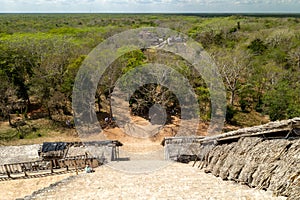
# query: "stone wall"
26,153
104,151
270,164
16,154
174,147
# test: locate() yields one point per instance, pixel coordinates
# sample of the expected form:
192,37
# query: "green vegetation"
40,54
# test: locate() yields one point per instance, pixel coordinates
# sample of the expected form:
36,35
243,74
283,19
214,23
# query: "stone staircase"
174,181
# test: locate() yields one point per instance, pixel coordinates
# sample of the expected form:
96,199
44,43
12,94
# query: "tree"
148,95
16,62
54,73
264,75
257,46
282,101
8,95
122,65
8,102
233,66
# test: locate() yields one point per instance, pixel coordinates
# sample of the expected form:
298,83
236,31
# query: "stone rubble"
264,164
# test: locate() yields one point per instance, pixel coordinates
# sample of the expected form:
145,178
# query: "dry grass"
250,119
46,132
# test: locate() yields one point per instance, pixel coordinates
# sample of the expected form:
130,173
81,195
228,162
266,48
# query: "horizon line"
152,12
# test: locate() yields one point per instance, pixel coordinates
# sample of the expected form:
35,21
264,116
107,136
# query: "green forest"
258,58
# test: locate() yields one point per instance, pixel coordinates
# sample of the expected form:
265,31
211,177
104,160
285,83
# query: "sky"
149,6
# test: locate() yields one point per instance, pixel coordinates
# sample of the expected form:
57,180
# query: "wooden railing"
41,168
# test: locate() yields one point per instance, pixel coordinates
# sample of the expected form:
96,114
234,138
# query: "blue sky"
149,6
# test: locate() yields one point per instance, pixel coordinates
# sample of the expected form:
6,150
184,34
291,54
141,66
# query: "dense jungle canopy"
257,57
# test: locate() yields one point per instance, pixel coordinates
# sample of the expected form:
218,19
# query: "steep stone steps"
174,181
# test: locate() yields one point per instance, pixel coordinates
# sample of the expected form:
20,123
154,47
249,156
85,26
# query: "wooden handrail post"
24,169
51,166
86,157
67,166
76,168
7,171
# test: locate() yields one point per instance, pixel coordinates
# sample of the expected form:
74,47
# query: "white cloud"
253,2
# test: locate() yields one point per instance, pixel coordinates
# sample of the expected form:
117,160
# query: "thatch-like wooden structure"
284,129
265,156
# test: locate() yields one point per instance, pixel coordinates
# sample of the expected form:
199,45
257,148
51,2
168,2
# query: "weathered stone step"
175,181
